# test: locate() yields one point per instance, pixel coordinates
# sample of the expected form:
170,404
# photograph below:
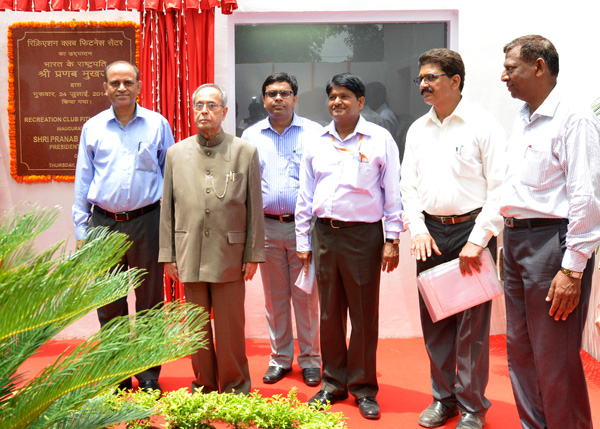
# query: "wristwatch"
394,241
571,273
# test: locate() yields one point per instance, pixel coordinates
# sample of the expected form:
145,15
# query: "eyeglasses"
429,78
210,106
115,84
284,94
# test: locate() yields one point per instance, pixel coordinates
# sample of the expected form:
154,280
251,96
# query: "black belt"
454,219
123,216
340,223
281,218
511,222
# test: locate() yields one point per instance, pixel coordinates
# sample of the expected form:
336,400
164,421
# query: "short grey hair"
211,85
114,63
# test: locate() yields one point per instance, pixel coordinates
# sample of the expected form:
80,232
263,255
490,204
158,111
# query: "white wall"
478,30
481,30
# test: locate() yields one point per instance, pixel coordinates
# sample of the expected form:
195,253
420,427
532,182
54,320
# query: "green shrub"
182,410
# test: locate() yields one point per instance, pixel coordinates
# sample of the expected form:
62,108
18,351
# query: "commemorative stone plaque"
58,75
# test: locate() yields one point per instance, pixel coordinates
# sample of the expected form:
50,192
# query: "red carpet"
403,370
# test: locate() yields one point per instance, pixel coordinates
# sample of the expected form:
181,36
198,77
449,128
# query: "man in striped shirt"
551,208
280,139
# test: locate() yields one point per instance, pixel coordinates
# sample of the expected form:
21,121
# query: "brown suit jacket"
212,217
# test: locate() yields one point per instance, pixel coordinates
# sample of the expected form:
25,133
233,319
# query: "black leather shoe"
311,376
124,385
149,385
274,374
322,398
436,415
470,421
369,408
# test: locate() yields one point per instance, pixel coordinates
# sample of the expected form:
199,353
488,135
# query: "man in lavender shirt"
349,180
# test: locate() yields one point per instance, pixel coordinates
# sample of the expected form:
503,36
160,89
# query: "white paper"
306,282
446,291
500,264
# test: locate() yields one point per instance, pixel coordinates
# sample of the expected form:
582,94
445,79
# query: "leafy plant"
42,293
183,410
596,107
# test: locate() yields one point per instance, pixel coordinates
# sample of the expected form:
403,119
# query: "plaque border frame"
12,134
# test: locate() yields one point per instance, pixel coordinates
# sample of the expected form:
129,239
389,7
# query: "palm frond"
42,292
13,353
18,227
123,347
99,412
48,291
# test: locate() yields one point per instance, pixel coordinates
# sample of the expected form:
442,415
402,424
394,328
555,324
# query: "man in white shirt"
450,183
349,180
550,202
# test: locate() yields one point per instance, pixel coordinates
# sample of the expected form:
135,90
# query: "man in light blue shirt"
280,140
118,184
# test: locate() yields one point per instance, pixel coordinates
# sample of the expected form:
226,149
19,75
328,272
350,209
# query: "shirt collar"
547,108
112,115
461,111
383,107
362,127
265,124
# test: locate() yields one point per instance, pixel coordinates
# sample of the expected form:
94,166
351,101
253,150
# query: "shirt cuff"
480,237
417,227
303,243
81,231
574,260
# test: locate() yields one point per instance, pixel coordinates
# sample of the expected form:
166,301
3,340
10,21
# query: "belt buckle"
280,218
509,221
332,225
121,216
446,220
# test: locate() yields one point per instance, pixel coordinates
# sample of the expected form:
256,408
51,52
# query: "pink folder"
446,292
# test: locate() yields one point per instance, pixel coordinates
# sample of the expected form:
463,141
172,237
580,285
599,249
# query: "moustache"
427,90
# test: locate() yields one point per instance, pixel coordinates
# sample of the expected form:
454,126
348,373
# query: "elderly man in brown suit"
212,235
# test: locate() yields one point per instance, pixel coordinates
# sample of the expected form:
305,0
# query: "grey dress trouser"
543,354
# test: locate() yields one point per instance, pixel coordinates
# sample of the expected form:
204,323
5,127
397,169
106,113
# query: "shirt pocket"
535,167
466,162
147,158
293,169
358,175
